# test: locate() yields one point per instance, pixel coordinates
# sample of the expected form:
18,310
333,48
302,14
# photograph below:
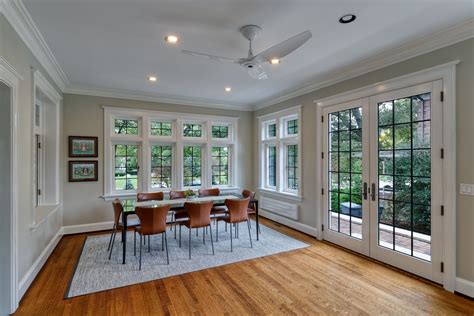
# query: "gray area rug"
95,272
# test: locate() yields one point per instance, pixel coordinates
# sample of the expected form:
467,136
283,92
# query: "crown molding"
17,15
137,96
432,42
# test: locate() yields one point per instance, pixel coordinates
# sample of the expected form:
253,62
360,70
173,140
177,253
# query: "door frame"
447,73
11,78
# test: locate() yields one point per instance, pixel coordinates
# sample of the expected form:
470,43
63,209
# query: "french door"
383,177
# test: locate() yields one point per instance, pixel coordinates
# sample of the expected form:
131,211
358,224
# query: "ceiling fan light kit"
254,63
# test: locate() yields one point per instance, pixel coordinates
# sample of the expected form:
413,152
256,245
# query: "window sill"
284,195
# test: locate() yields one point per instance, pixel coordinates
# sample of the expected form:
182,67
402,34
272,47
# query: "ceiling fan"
252,62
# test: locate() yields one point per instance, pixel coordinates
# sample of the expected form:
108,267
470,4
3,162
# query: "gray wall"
31,242
5,197
464,51
84,116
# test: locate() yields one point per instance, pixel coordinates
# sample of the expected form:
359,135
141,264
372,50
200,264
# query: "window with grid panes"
192,165
292,127
292,167
219,131
220,165
192,130
126,167
126,127
160,128
161,166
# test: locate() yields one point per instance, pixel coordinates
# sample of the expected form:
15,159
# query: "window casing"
280,152
163,159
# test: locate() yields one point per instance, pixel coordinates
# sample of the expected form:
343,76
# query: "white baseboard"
312,231
465,287
85,228
36,267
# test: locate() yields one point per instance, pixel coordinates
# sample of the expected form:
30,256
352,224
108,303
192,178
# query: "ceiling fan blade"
211,57
284,48
257,72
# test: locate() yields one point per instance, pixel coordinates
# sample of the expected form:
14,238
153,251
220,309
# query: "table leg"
124,236
256,216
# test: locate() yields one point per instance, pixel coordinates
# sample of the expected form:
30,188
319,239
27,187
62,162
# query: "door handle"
365,191
373,192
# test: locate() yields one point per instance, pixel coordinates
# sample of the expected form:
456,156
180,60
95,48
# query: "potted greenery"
190,194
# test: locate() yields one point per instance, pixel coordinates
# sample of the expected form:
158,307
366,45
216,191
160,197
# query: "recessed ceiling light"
152,78
171,39
347,18
274,61
227,89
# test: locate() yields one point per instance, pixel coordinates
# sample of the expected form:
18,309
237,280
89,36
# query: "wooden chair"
118,225
199,215
152,196
152,222
237,213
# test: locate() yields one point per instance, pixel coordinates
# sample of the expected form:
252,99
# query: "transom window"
219,131
157,158
126,127
192,165
192,130
220,165
160,128
161,166
272,130
292,127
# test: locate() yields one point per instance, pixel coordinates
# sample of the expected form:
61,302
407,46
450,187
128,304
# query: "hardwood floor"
320,279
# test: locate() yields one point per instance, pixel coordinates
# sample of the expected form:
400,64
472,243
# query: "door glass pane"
345,172
404,173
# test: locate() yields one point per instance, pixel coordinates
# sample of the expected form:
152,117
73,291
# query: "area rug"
95,272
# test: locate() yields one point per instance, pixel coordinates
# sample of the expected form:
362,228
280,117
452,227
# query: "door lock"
365,191
373,192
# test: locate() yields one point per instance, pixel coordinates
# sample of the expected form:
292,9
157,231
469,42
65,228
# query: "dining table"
178,204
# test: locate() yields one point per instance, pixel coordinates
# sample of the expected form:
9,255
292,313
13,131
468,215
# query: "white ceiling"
116,44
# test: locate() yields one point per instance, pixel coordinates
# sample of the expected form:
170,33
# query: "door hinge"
39,191
441,96
322,155
322,227
442,153
322,118
322,191
442,267
39,145
442,210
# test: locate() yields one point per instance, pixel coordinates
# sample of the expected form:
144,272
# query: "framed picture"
83,146
84,170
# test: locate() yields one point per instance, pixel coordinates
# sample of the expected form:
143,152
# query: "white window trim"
280,141
177,141
447,73
41,212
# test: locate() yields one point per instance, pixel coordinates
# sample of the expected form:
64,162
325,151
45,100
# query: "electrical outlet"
466,189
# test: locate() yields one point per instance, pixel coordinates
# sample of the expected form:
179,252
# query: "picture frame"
83,146
83,170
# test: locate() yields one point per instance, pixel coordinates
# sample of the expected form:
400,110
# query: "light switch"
466,189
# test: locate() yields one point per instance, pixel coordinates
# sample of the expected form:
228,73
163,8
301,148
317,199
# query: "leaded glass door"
346,214
406,179
382,179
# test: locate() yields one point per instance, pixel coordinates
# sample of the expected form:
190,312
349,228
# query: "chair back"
153,196
237,209
152,219
251,195
118,210
209,192
177,195
199,213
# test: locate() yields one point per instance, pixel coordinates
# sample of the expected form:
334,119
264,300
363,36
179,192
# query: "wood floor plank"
322,279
